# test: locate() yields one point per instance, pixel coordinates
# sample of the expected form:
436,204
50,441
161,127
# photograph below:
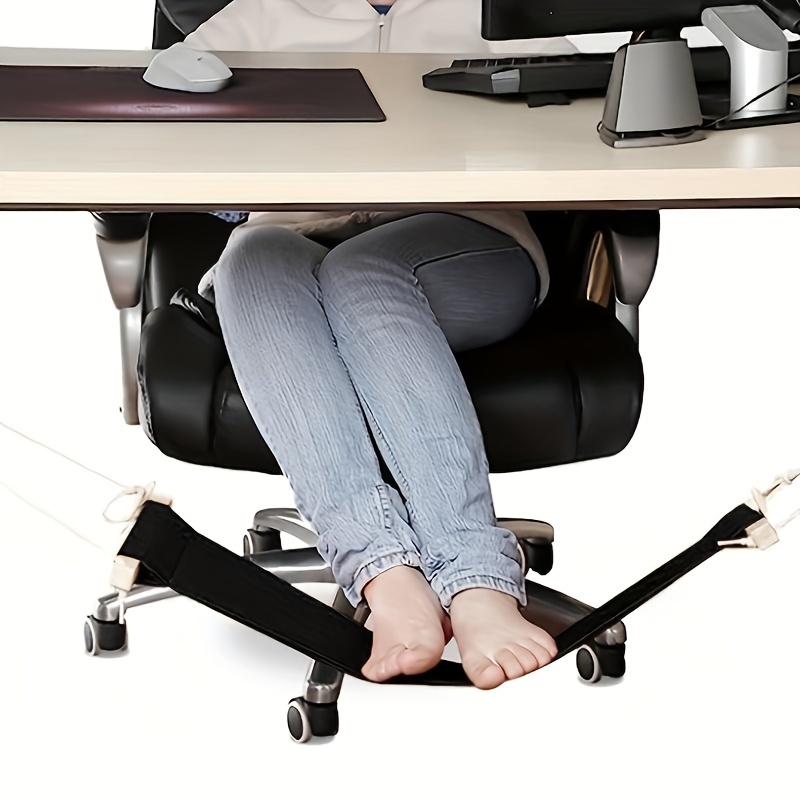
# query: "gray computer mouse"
184,69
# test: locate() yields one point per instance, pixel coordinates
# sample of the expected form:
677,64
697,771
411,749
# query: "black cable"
750,102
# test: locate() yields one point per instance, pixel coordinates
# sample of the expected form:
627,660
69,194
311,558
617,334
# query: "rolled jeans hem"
375,567
452,588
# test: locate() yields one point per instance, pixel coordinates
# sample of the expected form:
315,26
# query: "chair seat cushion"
567,387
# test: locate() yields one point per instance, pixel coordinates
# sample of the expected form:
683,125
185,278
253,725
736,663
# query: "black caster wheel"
104,637
538,557
306,720
261,541
596,660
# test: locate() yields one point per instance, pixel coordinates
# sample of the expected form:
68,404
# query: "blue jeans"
326,341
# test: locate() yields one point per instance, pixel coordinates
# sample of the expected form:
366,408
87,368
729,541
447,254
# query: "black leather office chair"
567,387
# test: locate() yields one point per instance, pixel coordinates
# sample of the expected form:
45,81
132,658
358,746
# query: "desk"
696,443
436,149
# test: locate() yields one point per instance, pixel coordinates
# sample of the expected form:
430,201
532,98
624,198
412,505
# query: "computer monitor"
652,95
531,19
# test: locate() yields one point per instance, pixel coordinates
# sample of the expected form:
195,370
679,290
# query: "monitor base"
715,109
759,55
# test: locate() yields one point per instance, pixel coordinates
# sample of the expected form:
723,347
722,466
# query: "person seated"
342,328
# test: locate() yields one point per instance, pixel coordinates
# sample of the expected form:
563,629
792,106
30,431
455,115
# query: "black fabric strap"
203,570
731,526
199,568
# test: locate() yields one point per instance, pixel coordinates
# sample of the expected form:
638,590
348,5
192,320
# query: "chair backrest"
175,19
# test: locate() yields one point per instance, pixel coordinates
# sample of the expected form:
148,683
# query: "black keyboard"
573,74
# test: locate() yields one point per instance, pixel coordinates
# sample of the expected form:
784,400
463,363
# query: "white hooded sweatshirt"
410,26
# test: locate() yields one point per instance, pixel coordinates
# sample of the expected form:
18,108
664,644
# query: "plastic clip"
764,533
760,534
124,569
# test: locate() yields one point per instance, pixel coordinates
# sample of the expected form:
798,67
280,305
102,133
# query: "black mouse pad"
119,94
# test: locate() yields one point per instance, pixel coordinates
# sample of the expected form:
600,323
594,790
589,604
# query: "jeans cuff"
374,568
447,591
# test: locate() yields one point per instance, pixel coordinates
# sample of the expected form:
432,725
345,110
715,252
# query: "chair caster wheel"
104,637
306,720
261,541
596,660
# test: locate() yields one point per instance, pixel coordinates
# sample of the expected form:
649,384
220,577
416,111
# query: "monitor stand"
759,54
652,95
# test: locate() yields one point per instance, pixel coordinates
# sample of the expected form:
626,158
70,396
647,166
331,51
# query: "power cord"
44,511
750,102
122,511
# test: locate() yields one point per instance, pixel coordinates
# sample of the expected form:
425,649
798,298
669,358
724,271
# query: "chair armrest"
631,239
599,255
122,242
120,226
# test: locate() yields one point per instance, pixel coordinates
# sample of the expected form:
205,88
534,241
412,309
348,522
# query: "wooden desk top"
434,149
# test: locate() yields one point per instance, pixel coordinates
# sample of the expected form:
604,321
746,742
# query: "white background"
709,705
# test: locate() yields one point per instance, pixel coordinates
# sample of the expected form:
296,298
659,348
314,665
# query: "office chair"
567,387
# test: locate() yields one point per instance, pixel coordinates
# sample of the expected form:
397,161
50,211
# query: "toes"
508,660
509,663
528,657
399,660
549,644
417,661
372,670
484,674
383,666
544,655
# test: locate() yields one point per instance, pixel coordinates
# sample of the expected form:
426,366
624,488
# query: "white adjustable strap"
772,503
71,494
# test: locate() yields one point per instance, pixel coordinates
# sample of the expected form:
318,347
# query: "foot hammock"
155,546
165,549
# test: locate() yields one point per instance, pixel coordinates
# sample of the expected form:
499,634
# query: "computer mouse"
184,69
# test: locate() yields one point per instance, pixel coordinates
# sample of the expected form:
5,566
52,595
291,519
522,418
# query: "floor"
197,706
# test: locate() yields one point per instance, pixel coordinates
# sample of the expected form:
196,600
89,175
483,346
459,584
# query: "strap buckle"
764,533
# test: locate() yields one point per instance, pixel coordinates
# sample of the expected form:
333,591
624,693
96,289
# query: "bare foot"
409,626
495,641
